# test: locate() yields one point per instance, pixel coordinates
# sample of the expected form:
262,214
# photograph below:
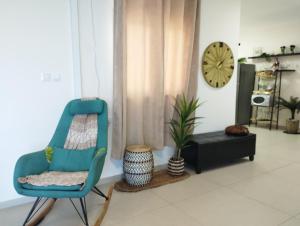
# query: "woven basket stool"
138,165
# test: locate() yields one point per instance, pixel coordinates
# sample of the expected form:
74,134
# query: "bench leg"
251,157
198,169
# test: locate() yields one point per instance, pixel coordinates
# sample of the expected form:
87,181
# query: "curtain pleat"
119,81
155,60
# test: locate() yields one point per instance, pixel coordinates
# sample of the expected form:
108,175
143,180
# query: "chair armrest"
95,171
29,164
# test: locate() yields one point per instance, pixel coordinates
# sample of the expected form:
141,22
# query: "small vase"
292,126
282,48
176,166
292,48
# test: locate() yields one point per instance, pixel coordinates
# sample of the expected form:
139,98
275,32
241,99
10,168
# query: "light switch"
56,77
46,76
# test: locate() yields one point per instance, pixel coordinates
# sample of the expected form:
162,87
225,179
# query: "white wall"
33,40
35,37
97,77
268,26
219,22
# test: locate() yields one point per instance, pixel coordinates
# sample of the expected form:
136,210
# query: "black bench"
211,148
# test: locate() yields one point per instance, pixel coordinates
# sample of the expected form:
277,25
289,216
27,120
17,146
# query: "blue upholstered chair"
36,162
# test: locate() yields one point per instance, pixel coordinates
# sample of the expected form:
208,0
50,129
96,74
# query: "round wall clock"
217,64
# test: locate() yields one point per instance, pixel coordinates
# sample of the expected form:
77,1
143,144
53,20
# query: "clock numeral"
221,44
217,84
205,63
232,67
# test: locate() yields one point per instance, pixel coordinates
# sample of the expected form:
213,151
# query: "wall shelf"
285,70
274,108
275,55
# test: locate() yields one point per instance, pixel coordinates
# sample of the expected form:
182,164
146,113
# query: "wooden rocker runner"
71,165
37,214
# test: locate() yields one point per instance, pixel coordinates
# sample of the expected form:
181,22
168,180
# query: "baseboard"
110,180
266,126
25,200
16,202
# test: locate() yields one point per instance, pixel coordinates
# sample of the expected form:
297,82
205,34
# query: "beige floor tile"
14,216
234,172
290,172
272,190
106,222
270,163
127,205
291,222
224,207
166,216
195,185
282,151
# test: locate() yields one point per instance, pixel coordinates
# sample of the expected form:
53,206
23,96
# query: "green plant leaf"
100,150
182,125
48,153
293,104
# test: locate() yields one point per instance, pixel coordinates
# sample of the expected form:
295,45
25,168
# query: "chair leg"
98,192
84,211
37,201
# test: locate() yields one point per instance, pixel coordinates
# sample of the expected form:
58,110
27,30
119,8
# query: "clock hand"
220,63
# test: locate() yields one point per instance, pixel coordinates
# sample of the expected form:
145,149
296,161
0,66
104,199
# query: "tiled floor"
265,192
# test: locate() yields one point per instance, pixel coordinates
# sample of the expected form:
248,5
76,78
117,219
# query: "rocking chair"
37,163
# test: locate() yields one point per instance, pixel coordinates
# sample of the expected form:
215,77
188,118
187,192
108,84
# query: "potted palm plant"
293,105
181,129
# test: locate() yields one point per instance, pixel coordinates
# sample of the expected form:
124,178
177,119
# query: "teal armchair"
36,163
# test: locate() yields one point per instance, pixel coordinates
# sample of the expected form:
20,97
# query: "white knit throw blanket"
82,135
55,178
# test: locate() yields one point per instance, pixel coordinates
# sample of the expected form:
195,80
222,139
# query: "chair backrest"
77,107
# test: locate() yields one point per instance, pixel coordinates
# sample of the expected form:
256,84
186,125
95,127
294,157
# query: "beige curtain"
155,59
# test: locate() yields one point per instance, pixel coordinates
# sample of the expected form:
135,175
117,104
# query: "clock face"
217,64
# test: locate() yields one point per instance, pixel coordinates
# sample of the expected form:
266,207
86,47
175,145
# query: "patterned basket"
138,165
176,167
